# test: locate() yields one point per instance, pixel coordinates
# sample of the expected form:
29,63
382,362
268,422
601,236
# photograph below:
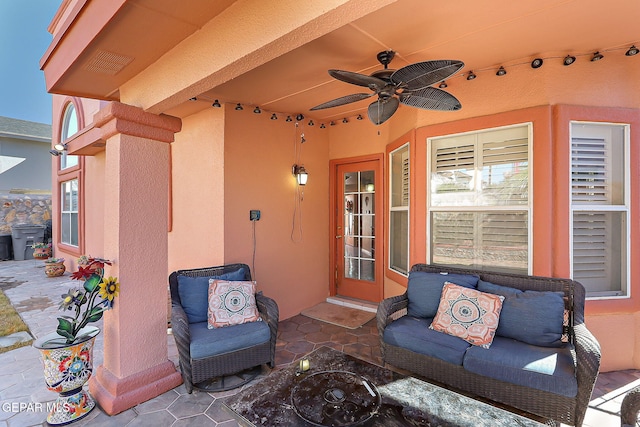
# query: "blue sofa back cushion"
413,333
515,362
194,293
532,317
424,290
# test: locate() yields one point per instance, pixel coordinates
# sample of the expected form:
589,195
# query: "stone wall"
17,209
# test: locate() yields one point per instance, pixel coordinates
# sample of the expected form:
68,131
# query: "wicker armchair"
544,404
630,408
229,369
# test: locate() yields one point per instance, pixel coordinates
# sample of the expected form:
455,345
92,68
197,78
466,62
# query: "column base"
115,395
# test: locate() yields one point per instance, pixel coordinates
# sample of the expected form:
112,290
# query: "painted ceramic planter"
54,269
41,253
66,369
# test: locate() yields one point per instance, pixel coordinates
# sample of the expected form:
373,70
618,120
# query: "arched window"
68,205
69,128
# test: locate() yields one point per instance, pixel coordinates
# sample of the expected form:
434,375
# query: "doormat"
347,317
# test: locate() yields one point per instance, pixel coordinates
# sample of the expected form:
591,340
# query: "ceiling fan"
410,85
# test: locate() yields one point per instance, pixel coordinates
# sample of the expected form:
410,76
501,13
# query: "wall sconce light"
471,75
216,104
257,110
300,173
501,71
537,63
359,117
274,117
568,60
443,85
633,50
597,57
58,149
239,107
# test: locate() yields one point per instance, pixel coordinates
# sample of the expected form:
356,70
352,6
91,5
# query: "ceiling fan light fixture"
597,56
239,107
568,60
501,71
537,63
633,51
471,75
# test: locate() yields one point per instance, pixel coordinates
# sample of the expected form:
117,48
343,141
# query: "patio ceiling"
483,34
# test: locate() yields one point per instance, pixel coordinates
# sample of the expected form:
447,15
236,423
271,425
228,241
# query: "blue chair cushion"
207,342
194,292
515,362
529,316
424,290
413,333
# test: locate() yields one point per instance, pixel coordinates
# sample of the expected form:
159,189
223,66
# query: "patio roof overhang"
111,49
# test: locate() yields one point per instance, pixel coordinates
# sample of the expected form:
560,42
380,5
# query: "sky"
23,40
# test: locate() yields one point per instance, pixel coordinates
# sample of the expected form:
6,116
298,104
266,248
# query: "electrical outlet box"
254,215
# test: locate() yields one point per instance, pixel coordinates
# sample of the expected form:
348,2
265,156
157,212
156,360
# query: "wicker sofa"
407,342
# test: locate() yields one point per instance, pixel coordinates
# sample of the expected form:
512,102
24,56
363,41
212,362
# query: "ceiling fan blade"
422,74
371,82
343,100
381,110
431,98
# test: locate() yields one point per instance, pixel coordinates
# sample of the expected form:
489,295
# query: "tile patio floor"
36,298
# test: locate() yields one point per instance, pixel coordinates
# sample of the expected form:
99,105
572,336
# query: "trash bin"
23,237
6,249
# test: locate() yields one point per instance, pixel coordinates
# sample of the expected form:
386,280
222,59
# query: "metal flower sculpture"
89,301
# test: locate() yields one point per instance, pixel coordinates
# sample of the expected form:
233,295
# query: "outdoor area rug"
340,315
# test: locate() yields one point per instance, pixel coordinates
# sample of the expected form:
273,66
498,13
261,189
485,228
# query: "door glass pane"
359,225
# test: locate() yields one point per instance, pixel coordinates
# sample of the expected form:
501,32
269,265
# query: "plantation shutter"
405,178
590,247
590,171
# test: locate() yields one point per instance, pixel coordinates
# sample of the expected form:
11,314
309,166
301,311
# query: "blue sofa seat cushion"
424,290
194,293
532,317
413,333
207,342
543,368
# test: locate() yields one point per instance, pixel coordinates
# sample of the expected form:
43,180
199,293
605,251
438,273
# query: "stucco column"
136,367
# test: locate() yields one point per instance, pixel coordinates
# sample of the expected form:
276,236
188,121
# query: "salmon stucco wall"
197,195
291,245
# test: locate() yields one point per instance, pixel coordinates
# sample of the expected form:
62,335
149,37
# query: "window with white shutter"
479,210
599,208
399,210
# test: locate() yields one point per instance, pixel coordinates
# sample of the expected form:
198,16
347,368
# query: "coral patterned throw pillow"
231,303
468,314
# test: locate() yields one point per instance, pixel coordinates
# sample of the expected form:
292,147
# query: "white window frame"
406,209
70,212
625,289
528,208
70,111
